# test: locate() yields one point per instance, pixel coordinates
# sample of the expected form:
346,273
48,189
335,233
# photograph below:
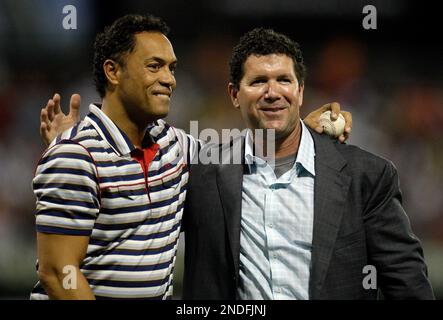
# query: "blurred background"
389,78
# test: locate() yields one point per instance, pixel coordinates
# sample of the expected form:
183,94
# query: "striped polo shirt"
88,184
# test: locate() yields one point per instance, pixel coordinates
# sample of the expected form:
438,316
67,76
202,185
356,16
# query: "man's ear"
300,96
233,93
112,71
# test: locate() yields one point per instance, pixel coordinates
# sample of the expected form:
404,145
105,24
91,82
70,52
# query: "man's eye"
285,80
258,81
154,67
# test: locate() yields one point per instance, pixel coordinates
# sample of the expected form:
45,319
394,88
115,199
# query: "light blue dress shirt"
276,226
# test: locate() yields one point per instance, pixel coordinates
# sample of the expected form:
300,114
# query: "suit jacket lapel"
330,192
229,182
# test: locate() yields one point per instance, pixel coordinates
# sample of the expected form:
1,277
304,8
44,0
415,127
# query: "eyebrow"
160,60
289,75
263,76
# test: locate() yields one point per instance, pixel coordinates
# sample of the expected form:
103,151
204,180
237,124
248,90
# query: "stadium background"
389,78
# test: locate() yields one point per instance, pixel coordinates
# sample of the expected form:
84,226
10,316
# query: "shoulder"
66,155
356,159
230,152
162,128
166,134
66,148
357,154
81,131
163,132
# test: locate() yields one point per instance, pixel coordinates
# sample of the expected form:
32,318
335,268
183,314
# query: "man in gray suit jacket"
326,222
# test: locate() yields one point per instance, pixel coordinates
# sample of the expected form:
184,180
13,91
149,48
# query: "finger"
43,129
57,99
43,114
335,110
342,138
348,121
44,133
319,129
323,108
74,106
328,107
335,107
50,109
347,134
44,118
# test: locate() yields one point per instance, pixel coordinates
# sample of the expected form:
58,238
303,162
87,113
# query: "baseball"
332,128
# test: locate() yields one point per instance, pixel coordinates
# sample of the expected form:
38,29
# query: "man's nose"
168,79
272,92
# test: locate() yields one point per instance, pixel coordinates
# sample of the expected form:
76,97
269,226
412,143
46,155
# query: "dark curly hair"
118,39
260,41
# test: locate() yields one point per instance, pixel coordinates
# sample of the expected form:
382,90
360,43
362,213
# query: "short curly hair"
260,42
118,39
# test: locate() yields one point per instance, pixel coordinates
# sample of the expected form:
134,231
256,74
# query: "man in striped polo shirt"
110,191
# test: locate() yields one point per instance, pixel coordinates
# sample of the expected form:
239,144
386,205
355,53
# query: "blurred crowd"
393,89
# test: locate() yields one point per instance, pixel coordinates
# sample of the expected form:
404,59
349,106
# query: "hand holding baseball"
313,119
330,127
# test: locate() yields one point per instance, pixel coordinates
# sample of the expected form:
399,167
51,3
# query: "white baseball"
332,128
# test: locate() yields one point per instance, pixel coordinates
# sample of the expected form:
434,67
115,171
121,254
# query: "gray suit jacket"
358,220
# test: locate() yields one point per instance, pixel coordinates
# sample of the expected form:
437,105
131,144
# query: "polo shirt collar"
110,132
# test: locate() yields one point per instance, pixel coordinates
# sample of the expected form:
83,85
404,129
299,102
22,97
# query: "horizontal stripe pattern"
87,184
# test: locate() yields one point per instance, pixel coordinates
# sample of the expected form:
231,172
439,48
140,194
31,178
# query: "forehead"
154,44
271,63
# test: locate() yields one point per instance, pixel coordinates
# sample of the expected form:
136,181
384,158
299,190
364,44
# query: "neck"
117,112
290,144
287,145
